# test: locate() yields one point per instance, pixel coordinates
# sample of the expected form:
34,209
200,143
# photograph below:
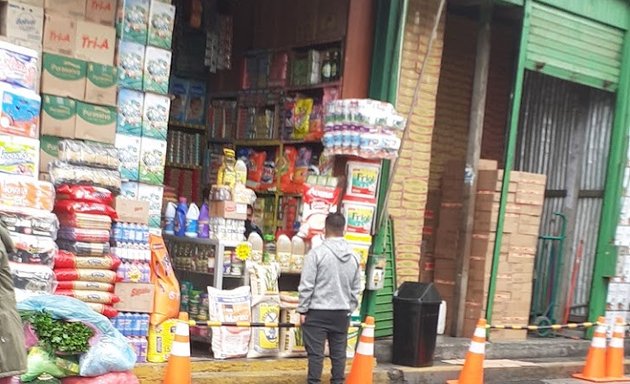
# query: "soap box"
59,34
19,113
161,23
129,154
196,103
96,123
359,217
101,84
132,23
155,116
130,108
130,61
59,115
101,11
152,161
129,190
157,70
20,66
153,195
22,21
75,8
95,42
48,151
363,180
179,91
63,76
19,155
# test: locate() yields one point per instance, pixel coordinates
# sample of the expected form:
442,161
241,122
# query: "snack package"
91,275
21,65
301,116
287,172
84,249
84,235
71,207
85,193
89,153
265,341
85,285
29,221
319,201
65,173
65,259
32,279
25,192
85,220
19,155
97,297
230,306
167,294
255,169
30,249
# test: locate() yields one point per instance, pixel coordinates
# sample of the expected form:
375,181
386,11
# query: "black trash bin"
416,313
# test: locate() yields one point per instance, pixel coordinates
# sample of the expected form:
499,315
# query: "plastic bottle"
180,217
169,218
283,250
257,247
192,221
204,222
122,272
116,232
138,233
240,168
142,354
298,251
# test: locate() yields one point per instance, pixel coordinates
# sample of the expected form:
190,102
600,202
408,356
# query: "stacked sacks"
265,309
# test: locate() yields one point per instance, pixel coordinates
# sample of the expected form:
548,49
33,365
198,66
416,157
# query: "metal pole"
475,135
509,156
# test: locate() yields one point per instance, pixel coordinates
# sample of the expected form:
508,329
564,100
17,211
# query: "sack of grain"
264,341
264,279
230,306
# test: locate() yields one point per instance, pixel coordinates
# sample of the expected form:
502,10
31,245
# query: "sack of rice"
291,340
264,279
264,341
230,306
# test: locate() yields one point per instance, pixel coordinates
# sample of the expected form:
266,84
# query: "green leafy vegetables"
59,336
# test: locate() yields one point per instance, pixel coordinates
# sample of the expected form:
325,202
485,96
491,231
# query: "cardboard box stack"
144,30
518,251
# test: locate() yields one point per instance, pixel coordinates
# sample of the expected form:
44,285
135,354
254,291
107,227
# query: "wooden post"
475,135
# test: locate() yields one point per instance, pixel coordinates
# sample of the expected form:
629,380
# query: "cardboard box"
19,111
18,66
153,195
133,22
63,76
130,62
152,161
132,211
161,23
48,151
157,70
179,90
59,34
101,84
155,116
74,8
228,210
135,297
96,122
19,155
95,42
129,153
101,11
129,190
130,108
21,21
59,115
196,103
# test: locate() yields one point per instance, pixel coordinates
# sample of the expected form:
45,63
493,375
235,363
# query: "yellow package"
160,341
302,117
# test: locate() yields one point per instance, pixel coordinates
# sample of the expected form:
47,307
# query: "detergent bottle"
204,222
180,217
192,220
169,218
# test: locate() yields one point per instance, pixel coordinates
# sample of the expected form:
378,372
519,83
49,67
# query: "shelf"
258,142
225,275
301,142
196,127
219,140
185,166
298,88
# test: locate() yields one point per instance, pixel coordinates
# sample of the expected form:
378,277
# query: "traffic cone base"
363,363
602,380
472,372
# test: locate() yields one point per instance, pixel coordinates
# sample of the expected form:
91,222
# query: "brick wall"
410,186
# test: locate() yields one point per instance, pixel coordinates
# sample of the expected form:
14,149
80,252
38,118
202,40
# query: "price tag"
243,251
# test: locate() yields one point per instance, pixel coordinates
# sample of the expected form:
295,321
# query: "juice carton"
63,76
59,115
155,116
132,22
196,103
20,66
96,123
129,153
130,107
153,195
95,42
152,161
19,155
157,69
19,111
161,23
179,90
101,84
130,62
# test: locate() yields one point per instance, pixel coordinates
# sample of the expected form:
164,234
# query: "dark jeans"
319,327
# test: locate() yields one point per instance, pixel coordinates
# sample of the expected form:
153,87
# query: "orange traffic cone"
595,367
614,353
179,370
472,373
363,362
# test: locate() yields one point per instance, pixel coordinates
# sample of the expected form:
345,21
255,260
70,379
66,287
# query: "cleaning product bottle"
169,218
192,220
257,247
298,251
180,217
283,250
204,222
241,172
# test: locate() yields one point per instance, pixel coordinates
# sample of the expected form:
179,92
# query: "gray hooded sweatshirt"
331,278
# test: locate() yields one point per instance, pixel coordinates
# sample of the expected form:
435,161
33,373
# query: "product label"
134,21
59,108
130,65
103,76
359,218
19,156
157,69
95,114
50,145
161,24
364,181
64,68
19,68
130,104
156,112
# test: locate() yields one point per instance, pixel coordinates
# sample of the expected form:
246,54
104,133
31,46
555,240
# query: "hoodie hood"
340,248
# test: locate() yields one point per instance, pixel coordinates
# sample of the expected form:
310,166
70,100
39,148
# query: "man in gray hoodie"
329,293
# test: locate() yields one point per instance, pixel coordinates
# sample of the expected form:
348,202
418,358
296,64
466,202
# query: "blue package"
130,108
196,103
179,90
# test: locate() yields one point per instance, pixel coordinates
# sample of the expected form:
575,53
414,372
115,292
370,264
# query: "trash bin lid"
418,292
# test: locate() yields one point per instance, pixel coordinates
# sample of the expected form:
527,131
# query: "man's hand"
302,319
